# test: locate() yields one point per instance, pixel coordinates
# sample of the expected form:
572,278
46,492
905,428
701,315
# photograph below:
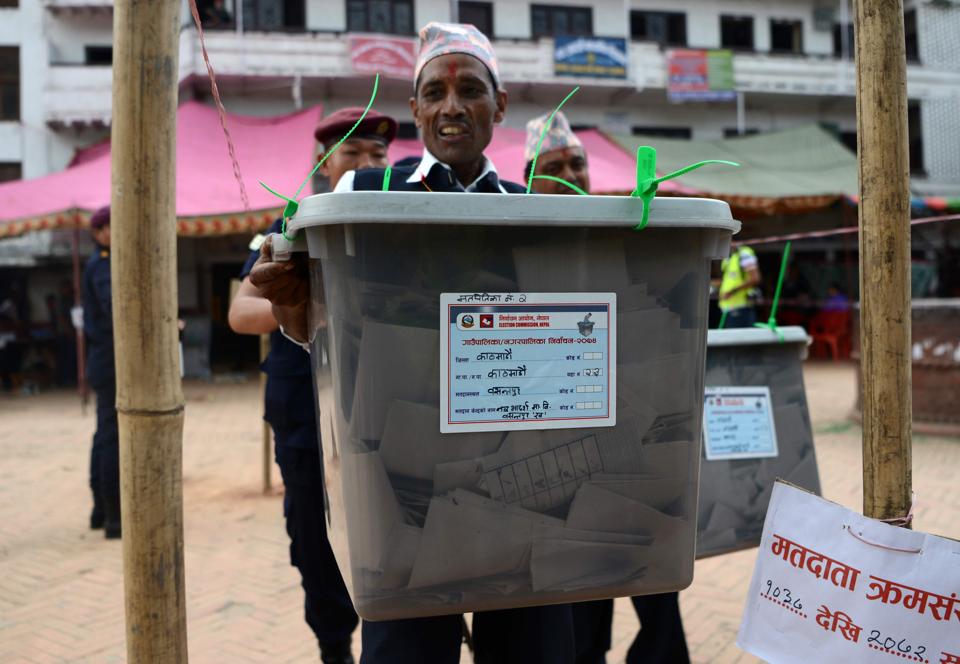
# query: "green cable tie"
771,323
387,172
543,134
292,205
648,182
561,181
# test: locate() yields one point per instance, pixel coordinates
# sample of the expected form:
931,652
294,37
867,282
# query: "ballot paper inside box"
428,523
734,492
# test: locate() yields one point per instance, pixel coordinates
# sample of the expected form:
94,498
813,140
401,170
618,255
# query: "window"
663,132
732,132
267,15
665,28
479,15
9,83
10,170
915,133
838,45
552,21
736,32
910,35
786,36
392,17
849,138
8,3
98,55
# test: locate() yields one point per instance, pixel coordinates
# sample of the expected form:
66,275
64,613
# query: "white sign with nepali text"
514,361
833,586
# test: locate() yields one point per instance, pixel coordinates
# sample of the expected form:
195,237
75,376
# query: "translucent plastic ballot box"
756,428
512,407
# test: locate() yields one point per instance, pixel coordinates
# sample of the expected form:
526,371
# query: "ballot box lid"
751,336
452,208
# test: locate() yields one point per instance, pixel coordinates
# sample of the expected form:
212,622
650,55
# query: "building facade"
791,64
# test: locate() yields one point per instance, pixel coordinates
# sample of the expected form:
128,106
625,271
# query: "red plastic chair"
831,335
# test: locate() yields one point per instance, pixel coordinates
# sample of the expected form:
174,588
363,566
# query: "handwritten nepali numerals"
941,607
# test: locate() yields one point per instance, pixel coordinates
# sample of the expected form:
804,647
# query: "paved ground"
61,596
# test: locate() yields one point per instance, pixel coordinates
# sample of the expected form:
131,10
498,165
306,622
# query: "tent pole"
884,257
149,394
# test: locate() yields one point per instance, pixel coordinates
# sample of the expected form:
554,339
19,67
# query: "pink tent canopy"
277,150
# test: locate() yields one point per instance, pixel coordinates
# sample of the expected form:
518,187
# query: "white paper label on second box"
738,423
512,361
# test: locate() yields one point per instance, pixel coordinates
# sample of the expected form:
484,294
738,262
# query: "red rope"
221,111
838,231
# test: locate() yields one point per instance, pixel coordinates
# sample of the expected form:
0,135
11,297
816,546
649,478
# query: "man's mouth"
452,131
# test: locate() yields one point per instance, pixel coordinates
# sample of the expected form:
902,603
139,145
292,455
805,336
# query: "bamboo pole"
149,396
884,257
267,431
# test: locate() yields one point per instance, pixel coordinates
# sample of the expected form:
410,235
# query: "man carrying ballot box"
458,98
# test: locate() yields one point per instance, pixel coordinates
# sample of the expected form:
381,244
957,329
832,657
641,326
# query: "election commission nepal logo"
486,321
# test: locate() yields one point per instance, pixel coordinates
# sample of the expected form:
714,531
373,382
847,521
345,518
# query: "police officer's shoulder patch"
257,242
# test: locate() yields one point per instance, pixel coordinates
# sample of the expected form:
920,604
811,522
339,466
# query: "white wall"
68,34
326,15
512,18
939,35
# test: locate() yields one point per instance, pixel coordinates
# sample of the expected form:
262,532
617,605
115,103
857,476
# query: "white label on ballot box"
512,361
738,423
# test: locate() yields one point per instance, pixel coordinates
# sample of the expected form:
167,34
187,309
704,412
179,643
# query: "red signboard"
699,75
388,56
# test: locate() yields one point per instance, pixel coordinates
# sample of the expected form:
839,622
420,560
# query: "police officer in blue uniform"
289,407
98,328
457,100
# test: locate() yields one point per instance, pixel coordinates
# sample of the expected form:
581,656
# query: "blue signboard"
597,57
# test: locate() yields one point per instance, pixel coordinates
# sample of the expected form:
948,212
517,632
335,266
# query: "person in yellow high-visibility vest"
741,274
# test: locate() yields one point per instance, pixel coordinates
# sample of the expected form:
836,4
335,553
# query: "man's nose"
452,105
569,174
366,160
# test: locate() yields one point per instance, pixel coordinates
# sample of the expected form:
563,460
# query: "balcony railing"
83,93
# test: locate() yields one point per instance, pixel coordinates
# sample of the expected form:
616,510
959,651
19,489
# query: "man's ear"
501,99
415,111
324,169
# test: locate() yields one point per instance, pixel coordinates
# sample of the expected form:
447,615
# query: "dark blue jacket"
288,402
439,179
98,319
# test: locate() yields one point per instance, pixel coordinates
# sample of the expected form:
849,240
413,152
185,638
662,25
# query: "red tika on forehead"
452,69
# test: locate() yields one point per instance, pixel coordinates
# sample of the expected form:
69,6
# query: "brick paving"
61,586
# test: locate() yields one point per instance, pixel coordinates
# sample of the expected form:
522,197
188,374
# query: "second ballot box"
510,393
756,429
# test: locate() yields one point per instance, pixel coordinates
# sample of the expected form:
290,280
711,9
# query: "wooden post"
149,396
267,432
884,257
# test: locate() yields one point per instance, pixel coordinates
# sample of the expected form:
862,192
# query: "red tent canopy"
277,150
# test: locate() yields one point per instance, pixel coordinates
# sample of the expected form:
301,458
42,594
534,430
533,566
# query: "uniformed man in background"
98,328
290,410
